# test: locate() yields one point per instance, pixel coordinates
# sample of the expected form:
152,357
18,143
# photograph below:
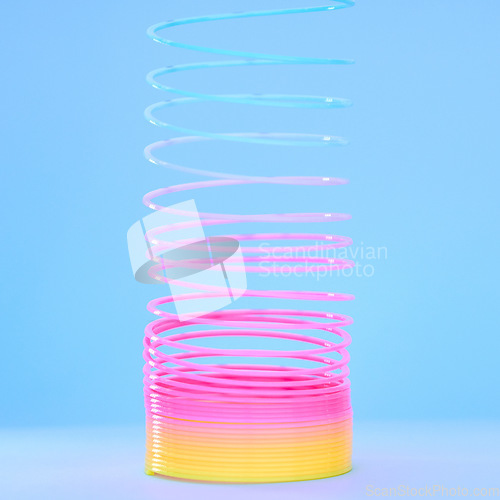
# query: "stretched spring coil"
237,422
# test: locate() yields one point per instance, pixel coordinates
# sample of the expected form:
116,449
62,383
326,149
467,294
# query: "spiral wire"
241,421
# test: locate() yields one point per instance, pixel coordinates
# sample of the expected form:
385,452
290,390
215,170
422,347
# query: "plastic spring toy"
233,421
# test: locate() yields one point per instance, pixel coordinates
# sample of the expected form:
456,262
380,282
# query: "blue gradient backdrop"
423,165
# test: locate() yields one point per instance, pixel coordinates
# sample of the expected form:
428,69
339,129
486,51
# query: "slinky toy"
209,416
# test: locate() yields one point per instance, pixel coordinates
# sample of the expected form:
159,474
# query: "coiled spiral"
210,417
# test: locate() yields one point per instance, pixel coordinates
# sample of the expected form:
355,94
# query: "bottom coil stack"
229,422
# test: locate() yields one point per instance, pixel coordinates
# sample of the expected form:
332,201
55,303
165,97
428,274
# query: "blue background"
423,165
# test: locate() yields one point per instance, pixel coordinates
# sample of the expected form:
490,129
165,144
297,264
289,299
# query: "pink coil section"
252,414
